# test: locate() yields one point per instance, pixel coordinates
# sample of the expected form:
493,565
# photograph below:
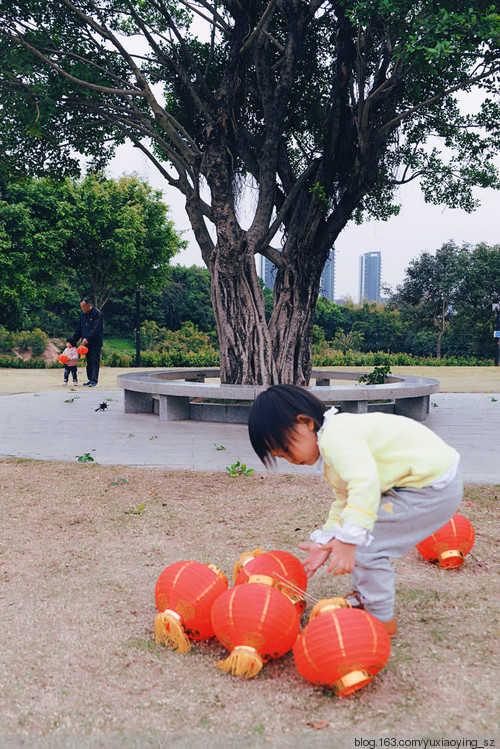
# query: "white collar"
328,415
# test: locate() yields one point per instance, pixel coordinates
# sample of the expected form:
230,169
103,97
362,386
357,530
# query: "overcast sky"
418,228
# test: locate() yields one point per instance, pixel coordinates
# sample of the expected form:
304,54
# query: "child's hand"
342,556
316,557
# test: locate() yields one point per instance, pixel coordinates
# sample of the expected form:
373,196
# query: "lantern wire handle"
481,564
296,588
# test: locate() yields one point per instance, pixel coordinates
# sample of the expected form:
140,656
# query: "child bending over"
394,482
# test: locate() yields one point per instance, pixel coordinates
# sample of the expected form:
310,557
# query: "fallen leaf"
318,725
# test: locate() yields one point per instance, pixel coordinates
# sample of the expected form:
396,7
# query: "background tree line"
59,240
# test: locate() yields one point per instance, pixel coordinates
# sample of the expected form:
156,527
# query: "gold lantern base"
351,682
329,604
450,559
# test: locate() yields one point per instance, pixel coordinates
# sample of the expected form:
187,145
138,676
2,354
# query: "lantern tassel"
243,661
170,632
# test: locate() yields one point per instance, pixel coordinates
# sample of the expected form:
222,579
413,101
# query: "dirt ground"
78,564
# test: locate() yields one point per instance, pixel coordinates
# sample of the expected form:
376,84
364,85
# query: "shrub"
7,339
114,359
38,341
377,377
206,358
22,340
187,347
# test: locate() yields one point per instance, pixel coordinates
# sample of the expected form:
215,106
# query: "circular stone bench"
170,394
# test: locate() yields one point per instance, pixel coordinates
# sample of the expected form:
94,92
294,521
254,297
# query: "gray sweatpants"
405,517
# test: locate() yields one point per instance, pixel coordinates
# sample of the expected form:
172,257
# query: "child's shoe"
391,627
65,382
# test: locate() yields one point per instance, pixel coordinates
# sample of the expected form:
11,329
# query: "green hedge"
179,359
12,362
209,359
377,358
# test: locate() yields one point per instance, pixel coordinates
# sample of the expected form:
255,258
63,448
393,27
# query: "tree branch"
275,256
253,36
219,23
199,75
287,203
404,115
72,78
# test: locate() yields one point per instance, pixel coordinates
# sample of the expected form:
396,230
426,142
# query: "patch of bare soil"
54,348
24,355
52,351
79,561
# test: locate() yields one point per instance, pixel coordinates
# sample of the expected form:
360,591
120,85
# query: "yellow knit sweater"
367,454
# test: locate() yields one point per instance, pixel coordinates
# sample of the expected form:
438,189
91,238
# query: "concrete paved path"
46,426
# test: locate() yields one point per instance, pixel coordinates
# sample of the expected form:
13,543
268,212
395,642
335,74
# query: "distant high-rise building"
267,271
327,284
370,266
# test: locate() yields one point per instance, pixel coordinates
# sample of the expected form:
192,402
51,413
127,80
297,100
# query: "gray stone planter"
170,394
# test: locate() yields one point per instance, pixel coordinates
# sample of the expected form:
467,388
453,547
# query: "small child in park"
72,363
394,482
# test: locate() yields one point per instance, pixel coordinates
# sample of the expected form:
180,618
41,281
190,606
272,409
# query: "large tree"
322,107
474,322
119,235
429,291
95,235
31,242
452,291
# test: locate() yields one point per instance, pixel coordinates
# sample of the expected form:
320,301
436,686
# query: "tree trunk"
246,354
244,341
295,296
441,330
438,345
291,330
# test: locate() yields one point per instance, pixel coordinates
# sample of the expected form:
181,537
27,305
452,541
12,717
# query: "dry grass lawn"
451,379
79,661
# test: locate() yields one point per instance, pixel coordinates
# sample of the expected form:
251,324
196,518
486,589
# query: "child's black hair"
273,417
71,341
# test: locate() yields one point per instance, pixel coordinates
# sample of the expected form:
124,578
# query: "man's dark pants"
93,357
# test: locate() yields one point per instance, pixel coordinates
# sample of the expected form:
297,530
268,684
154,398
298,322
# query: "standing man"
89,329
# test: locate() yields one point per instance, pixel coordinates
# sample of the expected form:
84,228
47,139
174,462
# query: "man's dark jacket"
90,326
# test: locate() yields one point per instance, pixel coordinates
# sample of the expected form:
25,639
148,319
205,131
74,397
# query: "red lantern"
185,593
342,649
63,358
82,350
255,623
449,545
279,565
